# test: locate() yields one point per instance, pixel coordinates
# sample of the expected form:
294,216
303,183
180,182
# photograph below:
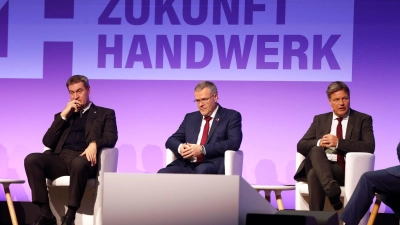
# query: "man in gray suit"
385,182
325,144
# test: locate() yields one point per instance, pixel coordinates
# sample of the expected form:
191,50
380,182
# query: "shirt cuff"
179,149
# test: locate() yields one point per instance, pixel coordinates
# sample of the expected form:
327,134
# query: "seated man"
385,182
74,137
203,137
325,144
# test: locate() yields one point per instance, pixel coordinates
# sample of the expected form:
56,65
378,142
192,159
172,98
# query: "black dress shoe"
333,193
42,220
66,220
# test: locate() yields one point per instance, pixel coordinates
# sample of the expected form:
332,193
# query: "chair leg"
374,211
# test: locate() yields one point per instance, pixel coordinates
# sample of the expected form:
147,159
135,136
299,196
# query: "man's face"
78,92
206,101
340,103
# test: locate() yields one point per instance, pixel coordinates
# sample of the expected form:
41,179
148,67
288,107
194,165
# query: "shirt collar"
346,117
87,108
214,113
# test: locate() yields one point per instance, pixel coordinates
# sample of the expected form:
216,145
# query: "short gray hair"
78,78
206,84
337,86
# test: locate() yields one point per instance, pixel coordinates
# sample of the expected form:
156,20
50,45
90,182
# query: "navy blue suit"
385,182
225,134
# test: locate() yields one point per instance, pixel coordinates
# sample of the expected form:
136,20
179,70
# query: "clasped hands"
190,150
328,140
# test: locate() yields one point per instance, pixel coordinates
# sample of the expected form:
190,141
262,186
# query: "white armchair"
91,210
233,161
357,163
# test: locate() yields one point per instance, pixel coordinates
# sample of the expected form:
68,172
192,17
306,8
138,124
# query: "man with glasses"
325,144
203,137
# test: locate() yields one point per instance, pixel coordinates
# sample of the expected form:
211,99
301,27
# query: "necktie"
204,137
339,135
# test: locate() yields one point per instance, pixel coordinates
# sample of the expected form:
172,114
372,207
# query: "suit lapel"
92,114
328,124
350,124
196,127
215,123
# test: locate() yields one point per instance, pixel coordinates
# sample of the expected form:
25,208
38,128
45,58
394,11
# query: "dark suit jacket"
225,134
101,127
395,170
359,136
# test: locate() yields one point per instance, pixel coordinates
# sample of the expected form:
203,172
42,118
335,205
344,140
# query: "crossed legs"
324,178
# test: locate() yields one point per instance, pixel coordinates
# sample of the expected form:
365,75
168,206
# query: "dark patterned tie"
339,135
204,137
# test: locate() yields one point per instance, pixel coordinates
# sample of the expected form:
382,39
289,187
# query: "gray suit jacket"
359,136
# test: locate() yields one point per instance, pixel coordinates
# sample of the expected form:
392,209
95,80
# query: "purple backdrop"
275,114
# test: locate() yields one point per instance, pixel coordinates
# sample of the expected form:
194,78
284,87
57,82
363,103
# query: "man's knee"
173,169
80,163
163,170
366,177
316,150
206,168
31,159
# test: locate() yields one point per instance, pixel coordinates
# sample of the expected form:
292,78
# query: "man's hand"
91,153
328,140
72,106
190,150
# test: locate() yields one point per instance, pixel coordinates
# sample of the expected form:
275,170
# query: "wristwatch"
203,150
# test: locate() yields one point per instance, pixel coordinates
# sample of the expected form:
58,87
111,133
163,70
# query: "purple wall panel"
58,9
4,29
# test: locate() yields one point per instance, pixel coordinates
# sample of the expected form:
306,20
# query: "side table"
277,189
6,184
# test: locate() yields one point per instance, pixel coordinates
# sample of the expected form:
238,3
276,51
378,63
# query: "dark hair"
78,78
200,86
337,86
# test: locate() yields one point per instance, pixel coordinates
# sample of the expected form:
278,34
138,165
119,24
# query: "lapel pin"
217,119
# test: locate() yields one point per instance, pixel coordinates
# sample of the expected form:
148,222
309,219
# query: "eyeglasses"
203,100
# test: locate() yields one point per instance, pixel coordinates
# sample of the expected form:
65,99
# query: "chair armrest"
169,156
233,162
357,163
108,160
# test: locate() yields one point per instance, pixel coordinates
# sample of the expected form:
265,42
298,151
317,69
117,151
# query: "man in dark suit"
385,182
203,137
325,144
74,137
